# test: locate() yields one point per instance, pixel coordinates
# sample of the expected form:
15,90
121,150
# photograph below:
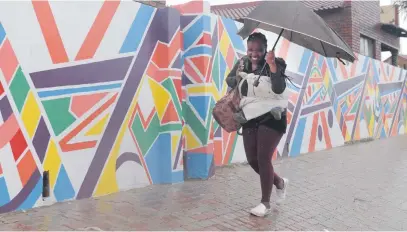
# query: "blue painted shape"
231,28
2,33
304,61
297,141
222,70
4,196
198,165
68,91
158,160
138,27
63,189
332,69
201,105
375,72
178,176
35,194
199,50
365,63
203,24
383,134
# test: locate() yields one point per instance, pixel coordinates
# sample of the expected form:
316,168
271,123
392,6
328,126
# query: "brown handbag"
225,108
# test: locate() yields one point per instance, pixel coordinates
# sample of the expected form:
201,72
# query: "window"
367,46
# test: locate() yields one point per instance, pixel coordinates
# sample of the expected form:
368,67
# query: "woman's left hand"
271,61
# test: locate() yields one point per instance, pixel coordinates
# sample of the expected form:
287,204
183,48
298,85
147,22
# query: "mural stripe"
50,31
8,61
98,30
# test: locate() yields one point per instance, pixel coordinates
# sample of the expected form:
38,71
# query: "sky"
403,20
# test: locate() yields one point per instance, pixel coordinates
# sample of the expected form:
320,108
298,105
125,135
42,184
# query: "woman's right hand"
239,69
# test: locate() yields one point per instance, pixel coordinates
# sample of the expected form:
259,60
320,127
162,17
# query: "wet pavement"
358,187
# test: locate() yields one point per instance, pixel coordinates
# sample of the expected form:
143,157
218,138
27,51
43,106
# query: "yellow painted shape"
209,88
97,129
161,97
190,138
224,44
52,163
31,114
107,182
174,143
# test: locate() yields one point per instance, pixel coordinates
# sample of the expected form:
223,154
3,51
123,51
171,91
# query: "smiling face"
255,51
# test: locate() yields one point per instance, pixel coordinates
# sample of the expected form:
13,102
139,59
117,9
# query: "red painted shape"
205,40
202,63
170,114
18,144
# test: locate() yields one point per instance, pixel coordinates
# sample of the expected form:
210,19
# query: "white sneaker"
260,210
281,193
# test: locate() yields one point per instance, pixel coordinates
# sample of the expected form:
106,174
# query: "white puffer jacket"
261,99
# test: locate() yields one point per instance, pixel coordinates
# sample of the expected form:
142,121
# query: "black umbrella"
298,24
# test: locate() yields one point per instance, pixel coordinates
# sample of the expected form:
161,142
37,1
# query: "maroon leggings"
259,144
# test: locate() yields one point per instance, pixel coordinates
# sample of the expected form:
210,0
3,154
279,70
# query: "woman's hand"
271,61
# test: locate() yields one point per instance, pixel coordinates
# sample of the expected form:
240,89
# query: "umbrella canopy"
298,24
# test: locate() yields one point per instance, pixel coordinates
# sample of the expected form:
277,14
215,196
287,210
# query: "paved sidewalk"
358,187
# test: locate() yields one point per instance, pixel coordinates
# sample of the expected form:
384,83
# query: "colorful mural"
113,95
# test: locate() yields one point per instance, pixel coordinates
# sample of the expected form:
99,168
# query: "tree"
401,4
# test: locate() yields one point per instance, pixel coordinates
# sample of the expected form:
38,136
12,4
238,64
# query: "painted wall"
109,96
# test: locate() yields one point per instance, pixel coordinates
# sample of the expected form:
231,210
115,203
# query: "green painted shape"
168,84
200,130
146,138
355,105
58,114
19,89
233,150
216,72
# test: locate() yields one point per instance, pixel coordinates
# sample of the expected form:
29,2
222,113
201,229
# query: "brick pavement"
358,187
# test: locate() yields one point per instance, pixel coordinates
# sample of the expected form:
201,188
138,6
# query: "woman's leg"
267,141
250,147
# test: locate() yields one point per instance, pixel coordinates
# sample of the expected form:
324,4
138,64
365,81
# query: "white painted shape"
118,29
10,171
130,174
239,155
307,133
146,100
294,57
25,35
77,165
363,129
74,20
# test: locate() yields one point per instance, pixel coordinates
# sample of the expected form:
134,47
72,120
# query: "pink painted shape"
8,61
7,130
81,104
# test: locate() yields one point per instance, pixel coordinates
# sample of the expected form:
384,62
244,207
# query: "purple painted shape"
5,108
185,20
161,29
185,80
218,132
178,62
41,139
97,72
215,40
127,156
178,155
23,194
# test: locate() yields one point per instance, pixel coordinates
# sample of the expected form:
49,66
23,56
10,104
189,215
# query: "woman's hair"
260,37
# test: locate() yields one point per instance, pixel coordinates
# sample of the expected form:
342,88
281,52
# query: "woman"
261,135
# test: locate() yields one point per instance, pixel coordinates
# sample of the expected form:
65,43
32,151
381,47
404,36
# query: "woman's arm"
278,83
231,79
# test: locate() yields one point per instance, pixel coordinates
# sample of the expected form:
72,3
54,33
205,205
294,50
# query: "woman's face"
255,51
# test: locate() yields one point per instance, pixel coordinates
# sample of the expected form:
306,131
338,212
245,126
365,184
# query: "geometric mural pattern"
113,95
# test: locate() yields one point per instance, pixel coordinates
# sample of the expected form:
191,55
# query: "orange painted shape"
229,147
325,130
313,137
164,54
208,78
192,7
208,149
81,104
218,153
50,31
98,30
178,88
283,51
202,63
8,61
191,72
64,143
230,57
170,114
7,130
26,167
205,40
221,28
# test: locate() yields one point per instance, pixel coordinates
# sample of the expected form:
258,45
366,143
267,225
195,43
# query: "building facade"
358,22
